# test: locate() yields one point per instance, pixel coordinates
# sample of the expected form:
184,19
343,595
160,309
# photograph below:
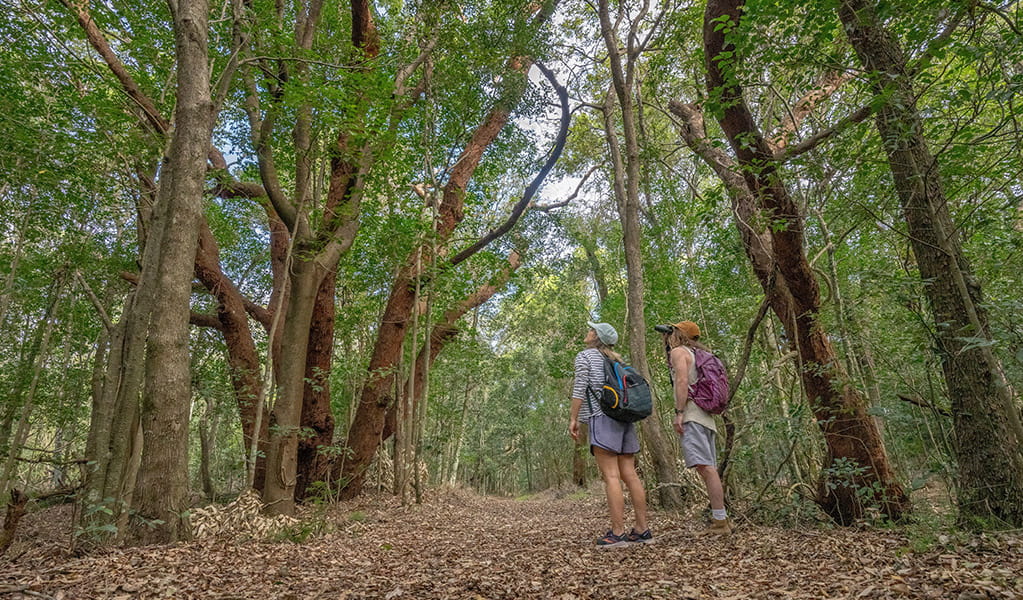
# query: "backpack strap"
589,387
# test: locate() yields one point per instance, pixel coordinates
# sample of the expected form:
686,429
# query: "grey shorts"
613,436
698,445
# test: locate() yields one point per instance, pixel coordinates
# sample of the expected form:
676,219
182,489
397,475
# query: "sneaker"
639,538
610,540
718,527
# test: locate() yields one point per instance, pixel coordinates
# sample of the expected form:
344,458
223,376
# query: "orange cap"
692,330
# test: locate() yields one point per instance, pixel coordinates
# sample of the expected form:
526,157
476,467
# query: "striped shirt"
589,373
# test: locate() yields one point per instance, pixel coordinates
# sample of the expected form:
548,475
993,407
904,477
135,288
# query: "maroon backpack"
710,392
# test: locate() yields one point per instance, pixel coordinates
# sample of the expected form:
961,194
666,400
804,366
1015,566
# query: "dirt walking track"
458,545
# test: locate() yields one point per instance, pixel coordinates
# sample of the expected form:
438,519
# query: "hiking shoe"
718,527
610,540
639,538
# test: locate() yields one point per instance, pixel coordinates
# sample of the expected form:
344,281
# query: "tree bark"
317,253
162,488
35,360
317,419
207,437
15,511
856,459
242,358
988,434
443,332
285,419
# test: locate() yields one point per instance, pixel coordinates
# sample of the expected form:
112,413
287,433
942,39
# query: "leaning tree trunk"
35,360
242,357
441,333
377,395
989,438
856,460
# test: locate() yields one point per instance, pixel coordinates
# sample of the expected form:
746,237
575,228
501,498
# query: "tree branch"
573,196
107,323
816,139
531,189
924,404
99,43
828,85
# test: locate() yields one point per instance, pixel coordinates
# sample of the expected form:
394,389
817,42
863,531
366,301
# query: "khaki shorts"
698,445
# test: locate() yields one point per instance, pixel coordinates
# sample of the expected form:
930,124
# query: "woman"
613,443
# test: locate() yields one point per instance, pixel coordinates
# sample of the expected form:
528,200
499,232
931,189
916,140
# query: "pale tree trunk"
404,463
581,446
317,253
162,488
417,384
65,430
35,360
232,320
285,420
207,437
113,445
853,337
626,187
856,458
463,416
989,436
104,450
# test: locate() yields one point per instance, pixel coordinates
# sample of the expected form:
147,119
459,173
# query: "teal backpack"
625,395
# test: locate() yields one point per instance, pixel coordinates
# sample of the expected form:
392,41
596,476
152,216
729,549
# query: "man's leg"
712,480
719,523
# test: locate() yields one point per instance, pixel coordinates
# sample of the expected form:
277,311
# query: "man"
694,425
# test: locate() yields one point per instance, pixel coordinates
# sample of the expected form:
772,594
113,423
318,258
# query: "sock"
719,514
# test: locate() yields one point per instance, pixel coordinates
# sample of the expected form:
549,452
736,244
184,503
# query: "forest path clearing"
459,545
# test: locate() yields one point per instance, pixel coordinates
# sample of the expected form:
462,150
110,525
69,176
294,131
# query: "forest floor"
461,545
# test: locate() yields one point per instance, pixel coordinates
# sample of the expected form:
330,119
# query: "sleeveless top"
693,412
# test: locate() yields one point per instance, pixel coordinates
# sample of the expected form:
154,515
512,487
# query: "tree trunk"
856,461
317,419
286,417
35,360
626,188
376,396
989,437
15,511
207,437
317,255
162,488
113,424
242,358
